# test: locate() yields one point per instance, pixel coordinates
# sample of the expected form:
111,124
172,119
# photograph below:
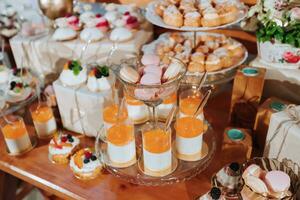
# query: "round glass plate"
269,164
152,17
184,170
216,77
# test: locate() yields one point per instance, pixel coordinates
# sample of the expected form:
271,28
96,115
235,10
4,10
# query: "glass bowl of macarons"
267,178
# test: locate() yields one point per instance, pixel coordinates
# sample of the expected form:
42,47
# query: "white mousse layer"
67,77
121,154
87,168
163,110
18,145
189,146
63,150
45,129
137,112
157,161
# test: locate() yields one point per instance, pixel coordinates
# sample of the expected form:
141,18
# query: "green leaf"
76,71
104,71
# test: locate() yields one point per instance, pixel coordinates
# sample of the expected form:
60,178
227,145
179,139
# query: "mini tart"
85,165
73,74
98,79
61,147
172,16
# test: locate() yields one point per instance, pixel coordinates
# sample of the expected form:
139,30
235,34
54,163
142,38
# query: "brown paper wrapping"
262,120
241,149
246,94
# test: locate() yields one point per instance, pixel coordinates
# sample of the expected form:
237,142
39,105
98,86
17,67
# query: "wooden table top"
35,168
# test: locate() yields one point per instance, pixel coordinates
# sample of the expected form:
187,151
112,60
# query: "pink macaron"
153,69
278,181
150,59
145,94
150,79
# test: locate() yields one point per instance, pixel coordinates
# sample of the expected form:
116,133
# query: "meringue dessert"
64,34
121,145
166,106
157,152
120,34
18,91
61,147
73,74
16,136
98,79
137,111
91,34
110,116
189,138
43,120
85,165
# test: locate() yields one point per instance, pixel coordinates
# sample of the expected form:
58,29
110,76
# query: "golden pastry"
213,63
172,16
192,19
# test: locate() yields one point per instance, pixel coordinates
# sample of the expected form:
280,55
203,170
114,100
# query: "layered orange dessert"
44,121
137,110
16,137
189,105
121,145
157,152
110,116
189,136
166,106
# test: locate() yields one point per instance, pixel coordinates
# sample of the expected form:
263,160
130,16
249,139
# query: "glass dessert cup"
189,100
43,119
269,164
17,138
151,95
133,174
166,106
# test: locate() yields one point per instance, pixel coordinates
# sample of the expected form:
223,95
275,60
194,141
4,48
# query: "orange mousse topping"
15,130
132,101
157,141
171,99
120,134
110,114
189,127
189,105
42,114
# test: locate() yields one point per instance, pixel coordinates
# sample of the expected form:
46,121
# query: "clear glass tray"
184,170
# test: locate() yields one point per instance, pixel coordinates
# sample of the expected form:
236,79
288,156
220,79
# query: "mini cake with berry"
18,91
98,79
85,164
73,74
61,147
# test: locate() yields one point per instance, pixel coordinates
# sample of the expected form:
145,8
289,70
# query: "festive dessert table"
36,169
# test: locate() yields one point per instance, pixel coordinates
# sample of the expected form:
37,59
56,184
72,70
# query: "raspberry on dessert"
103,23
127,13
131,20
20,85
87,154
98,15
64,139
68,15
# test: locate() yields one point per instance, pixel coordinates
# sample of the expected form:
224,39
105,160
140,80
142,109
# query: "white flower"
295,13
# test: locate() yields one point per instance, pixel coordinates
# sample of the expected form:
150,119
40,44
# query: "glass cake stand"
184,171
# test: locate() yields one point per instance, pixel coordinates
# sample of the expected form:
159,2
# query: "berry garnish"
12,85
64,139
98,74
68,15
93,158
20,85
98,15
103,23
88,154
131,20
71,140
69,136
86,160
127,13
104,71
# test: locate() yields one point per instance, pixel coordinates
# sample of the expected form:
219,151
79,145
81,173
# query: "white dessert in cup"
137,111
189,138
166,106
121,145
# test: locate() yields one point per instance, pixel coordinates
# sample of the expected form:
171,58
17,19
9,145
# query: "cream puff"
172,16
223,54
228,13
213,63
192,19
197,63
235,48
73,74
210,18
61,147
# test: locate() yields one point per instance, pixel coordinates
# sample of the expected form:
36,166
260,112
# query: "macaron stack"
273,184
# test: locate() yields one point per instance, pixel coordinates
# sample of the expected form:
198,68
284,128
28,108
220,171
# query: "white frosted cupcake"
85,164
73,74
98,79
61,147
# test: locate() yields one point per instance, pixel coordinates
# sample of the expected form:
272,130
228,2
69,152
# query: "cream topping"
63,150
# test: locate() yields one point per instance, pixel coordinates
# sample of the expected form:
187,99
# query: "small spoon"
121,105
202,81
202,103
170,117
